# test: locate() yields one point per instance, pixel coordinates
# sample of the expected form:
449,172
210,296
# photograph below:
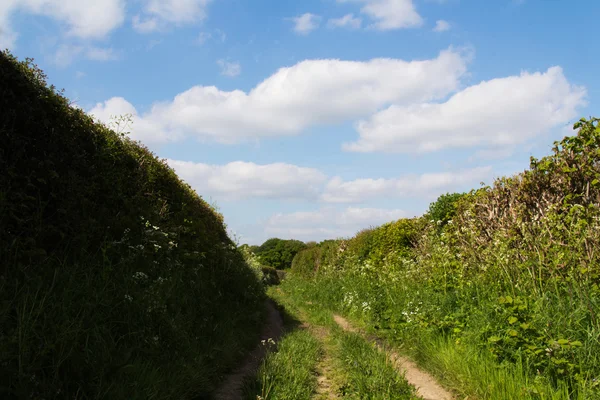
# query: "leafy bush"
117,280
279,253
308,262
444,208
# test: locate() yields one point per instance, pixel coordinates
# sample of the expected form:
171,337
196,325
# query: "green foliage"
512,275
287,371
270,276
444,208
308,262
116,279
279,253
370,373
394,240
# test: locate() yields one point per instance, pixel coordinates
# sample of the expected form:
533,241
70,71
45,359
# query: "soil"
427,387
231,388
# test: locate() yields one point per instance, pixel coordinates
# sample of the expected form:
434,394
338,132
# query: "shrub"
117,280
279,253
444,208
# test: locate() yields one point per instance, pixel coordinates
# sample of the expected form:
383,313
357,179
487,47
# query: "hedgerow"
116,279
509,270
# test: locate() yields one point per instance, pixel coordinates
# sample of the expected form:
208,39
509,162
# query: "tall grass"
289,372
369,373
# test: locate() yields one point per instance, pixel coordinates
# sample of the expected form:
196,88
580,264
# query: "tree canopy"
279,253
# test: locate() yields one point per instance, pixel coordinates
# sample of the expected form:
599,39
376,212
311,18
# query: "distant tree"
279,253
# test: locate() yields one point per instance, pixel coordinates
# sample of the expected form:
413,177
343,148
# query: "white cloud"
309,93
501,113
390,14
328,223
101,54
82,19
144,26
203,37
306,23
347,20
159,14
153,43
441,26
142,127
428,185
230,69
66,53
240,180
8,37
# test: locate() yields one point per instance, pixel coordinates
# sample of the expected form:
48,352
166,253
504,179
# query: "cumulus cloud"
347,21
441,26
230,69
142,127
501,112
306,23
309,93
328,222
159,14
428,185
389,14
81,19
240,180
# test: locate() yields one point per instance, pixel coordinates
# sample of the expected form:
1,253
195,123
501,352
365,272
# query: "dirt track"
231,388
426,385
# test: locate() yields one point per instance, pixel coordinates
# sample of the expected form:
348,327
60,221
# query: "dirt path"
427,387
325,386
231,388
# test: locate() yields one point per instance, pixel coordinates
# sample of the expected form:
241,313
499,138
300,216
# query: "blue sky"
313,119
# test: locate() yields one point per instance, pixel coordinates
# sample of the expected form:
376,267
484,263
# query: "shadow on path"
232,386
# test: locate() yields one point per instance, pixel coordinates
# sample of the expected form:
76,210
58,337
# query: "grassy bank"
496,291
117,280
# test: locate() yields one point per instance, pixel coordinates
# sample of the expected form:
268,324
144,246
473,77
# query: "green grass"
356,368
289,371
461,366
469,371
369,373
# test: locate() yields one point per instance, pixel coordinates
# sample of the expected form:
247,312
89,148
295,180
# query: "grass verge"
288,372
461,366
355,367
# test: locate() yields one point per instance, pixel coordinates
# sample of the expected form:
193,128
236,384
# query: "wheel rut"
426,385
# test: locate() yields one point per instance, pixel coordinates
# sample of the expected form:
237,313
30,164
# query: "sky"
314,119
